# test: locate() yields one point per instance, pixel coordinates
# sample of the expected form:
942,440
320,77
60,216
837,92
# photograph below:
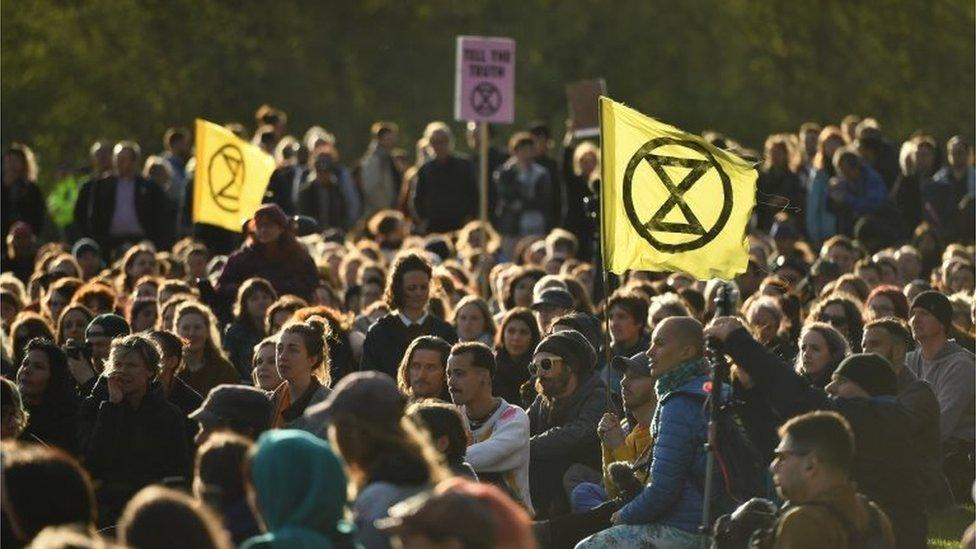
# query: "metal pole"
483,200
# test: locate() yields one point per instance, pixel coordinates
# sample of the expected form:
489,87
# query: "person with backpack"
813,472
668,512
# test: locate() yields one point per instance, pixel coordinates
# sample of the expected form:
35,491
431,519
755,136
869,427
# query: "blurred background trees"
72,71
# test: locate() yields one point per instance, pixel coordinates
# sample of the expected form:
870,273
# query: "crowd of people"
367,364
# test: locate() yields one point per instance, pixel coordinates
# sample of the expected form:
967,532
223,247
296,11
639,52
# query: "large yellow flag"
671,201
230,178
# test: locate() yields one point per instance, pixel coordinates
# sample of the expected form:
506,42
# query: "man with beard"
563,417
499,452
421,373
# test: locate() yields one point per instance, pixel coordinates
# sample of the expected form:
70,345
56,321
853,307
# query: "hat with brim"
639,364
553,297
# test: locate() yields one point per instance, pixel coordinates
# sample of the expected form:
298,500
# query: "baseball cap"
235,403
639,364
86,245
554,297
371,396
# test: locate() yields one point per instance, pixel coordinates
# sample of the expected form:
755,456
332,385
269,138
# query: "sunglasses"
544,365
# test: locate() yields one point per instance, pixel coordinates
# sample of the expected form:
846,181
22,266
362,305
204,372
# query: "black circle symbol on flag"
676,192
486,99
225,177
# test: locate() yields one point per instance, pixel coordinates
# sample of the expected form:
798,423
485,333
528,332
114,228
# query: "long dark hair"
250,287
526,316
60,388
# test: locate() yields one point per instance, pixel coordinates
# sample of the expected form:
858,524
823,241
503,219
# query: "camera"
76,349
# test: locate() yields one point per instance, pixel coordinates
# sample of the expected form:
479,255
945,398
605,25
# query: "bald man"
668,511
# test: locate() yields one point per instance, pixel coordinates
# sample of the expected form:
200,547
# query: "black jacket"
565,430
886,460
151,208
388,338
446,196
130,448
917,395
21,201
510,374
54,423
314,195
239,341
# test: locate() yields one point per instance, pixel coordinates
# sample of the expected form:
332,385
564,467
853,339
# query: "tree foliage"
76,70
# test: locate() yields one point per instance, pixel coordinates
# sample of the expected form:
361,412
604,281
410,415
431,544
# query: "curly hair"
393,295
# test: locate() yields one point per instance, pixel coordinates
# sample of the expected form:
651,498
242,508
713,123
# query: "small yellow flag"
670,200
230,178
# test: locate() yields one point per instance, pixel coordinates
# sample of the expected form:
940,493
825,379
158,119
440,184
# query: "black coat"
130,448
887,466
54,423
510,374
446,195
314,195
239,341
388,338
151,203
21,201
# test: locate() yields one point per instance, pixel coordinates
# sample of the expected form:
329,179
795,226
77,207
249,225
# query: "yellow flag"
671,201
230,178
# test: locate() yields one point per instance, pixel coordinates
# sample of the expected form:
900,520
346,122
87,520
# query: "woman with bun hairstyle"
303,363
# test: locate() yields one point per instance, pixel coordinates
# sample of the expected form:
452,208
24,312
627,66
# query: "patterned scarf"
671,381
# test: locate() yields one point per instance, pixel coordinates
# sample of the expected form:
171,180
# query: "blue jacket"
674,496
821,222
871,196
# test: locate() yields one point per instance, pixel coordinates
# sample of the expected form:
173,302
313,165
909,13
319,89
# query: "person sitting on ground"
668,511
863,389
43,487
891,338
150,517
517,337
421,373
264,373
473,320
48,393
303,363
499,452
219,481
175,389
240,409
138,438
550,304
204,364
448,432
948,368
563,419
297,485
240,336
408,295
813,473
386,455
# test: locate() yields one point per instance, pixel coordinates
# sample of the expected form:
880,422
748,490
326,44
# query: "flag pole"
602,265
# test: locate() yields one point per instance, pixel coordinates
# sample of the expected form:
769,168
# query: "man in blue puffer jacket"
668,512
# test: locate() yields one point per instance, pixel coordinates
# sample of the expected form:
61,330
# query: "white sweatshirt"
501,445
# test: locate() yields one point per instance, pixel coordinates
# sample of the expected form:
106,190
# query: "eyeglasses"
544,364
834,320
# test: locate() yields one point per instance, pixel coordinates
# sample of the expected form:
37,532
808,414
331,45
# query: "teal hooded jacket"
300,489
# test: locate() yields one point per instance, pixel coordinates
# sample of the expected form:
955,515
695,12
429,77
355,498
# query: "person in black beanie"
863,375
948,368
563,419
887,460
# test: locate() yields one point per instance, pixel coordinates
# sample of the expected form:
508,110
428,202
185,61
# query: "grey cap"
639,364
554,297
235,403
372,397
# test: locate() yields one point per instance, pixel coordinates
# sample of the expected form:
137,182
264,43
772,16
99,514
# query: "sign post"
484,92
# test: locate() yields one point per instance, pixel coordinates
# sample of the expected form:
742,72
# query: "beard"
552,387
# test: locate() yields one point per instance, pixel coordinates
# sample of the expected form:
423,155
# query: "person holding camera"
85,359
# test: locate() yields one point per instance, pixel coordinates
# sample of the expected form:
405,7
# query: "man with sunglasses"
563,418
813,472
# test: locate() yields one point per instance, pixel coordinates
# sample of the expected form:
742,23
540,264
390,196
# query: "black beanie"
584,323
572,347
937,304
871,372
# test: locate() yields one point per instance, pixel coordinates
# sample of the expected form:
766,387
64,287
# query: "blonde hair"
584,148
211,349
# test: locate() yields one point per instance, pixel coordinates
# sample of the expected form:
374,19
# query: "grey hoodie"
952,375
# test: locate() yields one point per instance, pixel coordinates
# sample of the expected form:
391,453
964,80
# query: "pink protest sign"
485,79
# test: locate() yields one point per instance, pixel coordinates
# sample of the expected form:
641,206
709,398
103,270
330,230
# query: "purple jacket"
296,276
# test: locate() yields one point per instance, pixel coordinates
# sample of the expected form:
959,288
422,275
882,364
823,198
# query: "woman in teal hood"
297,486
